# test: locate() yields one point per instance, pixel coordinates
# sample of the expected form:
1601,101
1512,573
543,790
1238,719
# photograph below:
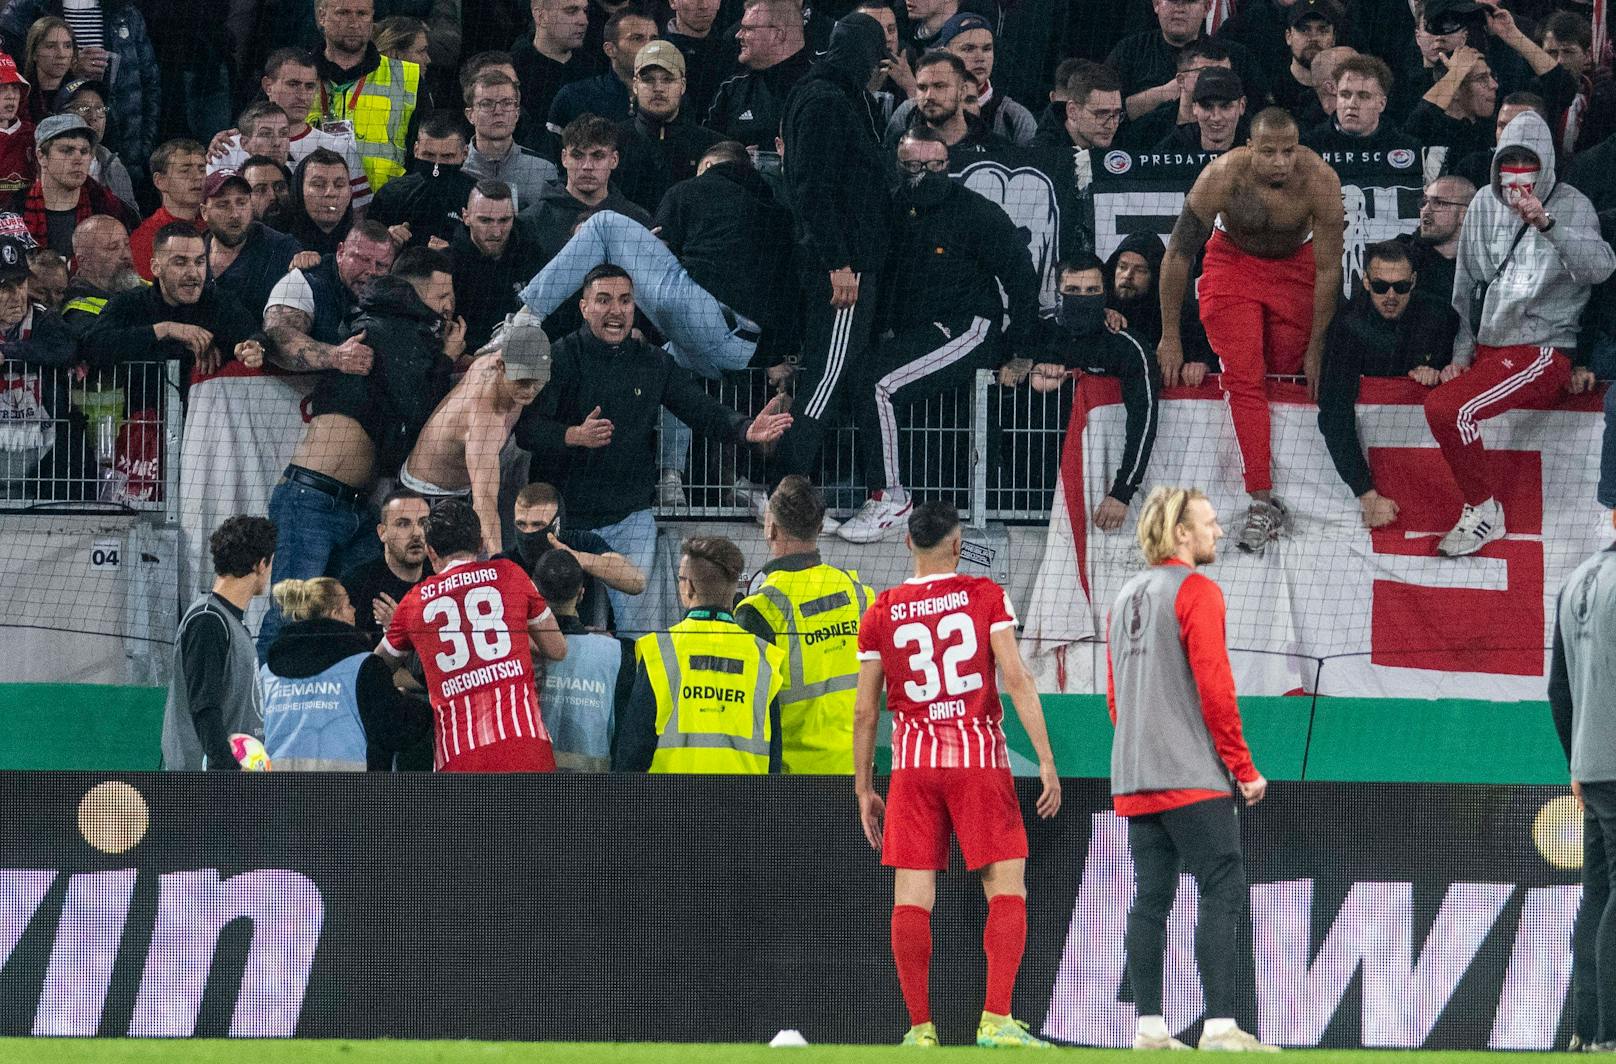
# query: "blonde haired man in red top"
1178,743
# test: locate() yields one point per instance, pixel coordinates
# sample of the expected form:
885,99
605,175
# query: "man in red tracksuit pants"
1268,289
1534,245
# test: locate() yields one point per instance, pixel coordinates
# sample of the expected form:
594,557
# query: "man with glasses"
493,106
1388,330
1147,62
749,105
954,250
660,146
1093,107
1434,245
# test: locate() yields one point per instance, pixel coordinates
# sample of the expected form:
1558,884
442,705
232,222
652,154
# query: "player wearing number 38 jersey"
476,626
935,643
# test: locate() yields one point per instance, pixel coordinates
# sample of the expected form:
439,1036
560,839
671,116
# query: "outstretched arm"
1190,234
1328,223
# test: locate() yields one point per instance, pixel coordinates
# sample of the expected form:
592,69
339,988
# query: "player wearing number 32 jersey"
934,643
476,626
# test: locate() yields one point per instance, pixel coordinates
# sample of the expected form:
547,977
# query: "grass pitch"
117,1051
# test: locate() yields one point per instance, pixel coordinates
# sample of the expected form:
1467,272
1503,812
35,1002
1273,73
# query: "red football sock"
911,949
1003,939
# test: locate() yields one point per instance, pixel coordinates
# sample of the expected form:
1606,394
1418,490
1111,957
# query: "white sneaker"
1167,1041
828,525
755,499
879,518
671,490
1264,522
1234,1040
1477,527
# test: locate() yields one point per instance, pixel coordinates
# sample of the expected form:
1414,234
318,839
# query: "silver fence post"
979,449
173,424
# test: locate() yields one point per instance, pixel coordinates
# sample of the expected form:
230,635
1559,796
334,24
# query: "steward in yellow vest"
364,92
810,611
706,691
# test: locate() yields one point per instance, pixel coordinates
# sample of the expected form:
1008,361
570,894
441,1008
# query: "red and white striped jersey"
931,635
469,625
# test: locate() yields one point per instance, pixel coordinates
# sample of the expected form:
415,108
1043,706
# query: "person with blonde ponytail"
329,703
1177,757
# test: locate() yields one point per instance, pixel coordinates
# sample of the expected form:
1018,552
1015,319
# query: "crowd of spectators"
586,212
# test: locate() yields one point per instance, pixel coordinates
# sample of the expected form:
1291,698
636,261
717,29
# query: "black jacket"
1143,313
949,258
488,289
265,257
631,382
734,239
837,175
748,106
408,379
653,156
1593,173
1362,343
549,222
1435,272
392,720
429,205
125,330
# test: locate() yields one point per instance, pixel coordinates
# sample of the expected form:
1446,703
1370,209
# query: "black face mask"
925,189
434,171
1082,315
535,544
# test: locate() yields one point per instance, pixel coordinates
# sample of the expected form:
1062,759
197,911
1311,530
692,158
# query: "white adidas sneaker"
1478,526
878,519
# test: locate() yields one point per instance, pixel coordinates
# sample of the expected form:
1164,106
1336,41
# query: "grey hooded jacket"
1539,296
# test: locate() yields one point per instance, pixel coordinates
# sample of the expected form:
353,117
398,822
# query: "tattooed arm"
1190,234
291,347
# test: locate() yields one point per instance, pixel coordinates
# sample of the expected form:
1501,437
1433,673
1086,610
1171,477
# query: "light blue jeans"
704,336
634,537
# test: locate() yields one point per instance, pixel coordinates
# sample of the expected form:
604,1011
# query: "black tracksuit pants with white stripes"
833,341
1124,356
918,362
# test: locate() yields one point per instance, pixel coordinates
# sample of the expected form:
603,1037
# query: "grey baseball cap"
525,348
58,126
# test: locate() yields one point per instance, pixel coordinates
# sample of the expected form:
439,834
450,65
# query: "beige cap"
662,54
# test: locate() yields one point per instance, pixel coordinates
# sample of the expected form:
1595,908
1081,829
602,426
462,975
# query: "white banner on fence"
1388,617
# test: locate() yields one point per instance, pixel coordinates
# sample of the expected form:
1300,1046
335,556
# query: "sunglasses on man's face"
1402,288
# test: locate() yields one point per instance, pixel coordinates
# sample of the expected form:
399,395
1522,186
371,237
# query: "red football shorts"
978,805
509,755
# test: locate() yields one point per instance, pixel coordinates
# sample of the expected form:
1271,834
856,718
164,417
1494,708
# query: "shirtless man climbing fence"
459,450
1268,288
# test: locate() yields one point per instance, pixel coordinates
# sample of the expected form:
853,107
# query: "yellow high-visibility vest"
379,110
815,615
713,682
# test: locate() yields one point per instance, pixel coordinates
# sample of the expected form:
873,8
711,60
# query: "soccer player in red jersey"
934,642
476,626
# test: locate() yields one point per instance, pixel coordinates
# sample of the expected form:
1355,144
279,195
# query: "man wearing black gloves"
952,250
837,181
1390,329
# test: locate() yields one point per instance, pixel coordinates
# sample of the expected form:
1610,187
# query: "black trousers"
1202,839
833,342
1593,941
914,365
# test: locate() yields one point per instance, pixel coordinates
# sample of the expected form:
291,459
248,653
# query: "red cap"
219,179
8,72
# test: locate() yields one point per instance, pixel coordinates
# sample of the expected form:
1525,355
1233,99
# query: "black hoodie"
1144,313
428,199
293,219
734,238
409,378
393,721
837,175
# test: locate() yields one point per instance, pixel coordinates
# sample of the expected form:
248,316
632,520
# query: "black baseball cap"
1450,16
1217,83
13,260
1307,9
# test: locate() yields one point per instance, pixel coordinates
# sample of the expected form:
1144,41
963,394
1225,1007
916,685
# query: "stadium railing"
101,438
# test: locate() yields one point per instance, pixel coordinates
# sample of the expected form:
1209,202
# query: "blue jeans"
318,535
673,443
1607,453
634,537
703,335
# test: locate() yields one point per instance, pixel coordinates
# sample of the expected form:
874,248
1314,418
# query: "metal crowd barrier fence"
90,439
